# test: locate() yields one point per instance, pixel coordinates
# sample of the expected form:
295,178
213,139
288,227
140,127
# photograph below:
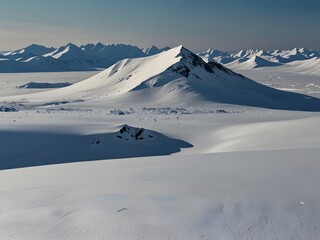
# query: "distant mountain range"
251,59
37,58
90,57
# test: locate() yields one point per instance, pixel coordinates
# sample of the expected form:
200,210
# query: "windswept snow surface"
161,147
248,195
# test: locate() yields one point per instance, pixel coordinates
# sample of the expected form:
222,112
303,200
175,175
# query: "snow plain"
214,170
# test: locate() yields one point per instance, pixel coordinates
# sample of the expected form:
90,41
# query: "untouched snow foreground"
224,157
247,195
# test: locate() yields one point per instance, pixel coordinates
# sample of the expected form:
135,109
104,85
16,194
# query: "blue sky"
225,24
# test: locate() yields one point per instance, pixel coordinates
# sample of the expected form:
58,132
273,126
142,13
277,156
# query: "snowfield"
247,195
166,146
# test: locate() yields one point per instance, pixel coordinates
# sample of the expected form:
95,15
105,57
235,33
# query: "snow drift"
53,148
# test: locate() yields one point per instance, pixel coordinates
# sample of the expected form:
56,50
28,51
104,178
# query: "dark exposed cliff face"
190,61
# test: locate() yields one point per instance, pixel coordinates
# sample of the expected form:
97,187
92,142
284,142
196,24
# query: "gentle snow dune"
292,134
48,147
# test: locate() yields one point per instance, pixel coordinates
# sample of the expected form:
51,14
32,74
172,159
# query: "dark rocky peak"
189,61
132,133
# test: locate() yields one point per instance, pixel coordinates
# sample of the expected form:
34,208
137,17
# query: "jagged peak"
153,47
151,50
99,44
72,46
35,46
190,60
181,51
213,51
87,45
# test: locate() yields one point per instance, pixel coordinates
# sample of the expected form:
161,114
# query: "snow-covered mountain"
19,55
38,49
8,65
73,57
292,55
91,56
28,52
37,58
281,56
176,76
256,58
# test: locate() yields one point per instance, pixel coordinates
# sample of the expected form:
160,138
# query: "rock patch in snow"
132,133
8,109
44,85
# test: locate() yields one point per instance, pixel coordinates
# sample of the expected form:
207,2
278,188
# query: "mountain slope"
310,66
19,55
9,66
